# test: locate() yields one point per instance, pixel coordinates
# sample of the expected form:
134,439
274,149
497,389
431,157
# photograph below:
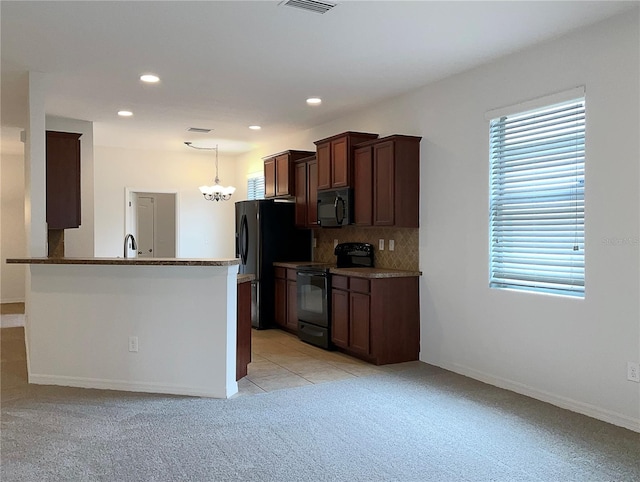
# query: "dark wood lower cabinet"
292,304
243,336
340,318
377,320
286,299
359,320
280,315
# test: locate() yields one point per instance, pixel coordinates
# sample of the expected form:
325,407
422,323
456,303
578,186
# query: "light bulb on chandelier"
215,192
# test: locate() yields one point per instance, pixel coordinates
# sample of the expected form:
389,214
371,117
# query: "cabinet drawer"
359,284
280,272
340,282
291,274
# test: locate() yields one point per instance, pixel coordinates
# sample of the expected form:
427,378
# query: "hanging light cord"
216,180
215,192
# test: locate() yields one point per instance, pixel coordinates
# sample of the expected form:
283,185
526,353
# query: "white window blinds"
255,187
537,200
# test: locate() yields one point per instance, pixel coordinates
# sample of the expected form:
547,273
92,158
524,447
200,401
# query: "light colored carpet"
419,423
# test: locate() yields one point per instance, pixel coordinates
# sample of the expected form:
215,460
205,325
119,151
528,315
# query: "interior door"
146,226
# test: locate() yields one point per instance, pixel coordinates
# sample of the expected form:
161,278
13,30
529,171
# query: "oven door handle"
306,274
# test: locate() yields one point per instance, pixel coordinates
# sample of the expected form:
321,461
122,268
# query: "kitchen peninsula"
139,324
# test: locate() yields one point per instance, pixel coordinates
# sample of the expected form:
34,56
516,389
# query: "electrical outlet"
392,245
633,372
315,242
133,343
335,243
381,245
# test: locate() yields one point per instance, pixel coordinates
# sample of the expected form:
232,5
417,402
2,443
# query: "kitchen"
265,233
357,179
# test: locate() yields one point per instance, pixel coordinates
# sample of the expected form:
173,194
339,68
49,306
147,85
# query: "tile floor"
281,360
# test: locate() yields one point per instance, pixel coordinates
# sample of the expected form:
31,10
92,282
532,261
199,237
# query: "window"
255,187
537,199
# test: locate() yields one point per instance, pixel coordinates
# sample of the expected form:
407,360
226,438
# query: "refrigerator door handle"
244,244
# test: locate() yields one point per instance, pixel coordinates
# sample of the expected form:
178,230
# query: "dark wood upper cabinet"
270,177
387,182
283,176
63,180
312,193
363,186
306,179
335,159
384,184
340,162
323,155
279,176
301,194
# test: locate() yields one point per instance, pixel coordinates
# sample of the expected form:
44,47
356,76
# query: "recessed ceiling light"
150,78
255,128
314,101
125,113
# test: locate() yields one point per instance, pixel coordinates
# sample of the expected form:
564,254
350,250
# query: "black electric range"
314,292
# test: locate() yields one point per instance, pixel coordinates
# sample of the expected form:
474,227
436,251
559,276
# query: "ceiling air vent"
310,5
199,129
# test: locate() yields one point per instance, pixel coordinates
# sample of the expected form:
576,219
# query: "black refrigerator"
265,233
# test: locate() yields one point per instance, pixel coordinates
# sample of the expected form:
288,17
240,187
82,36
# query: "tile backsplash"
404,256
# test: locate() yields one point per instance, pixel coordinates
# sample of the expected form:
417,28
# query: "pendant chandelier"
215,192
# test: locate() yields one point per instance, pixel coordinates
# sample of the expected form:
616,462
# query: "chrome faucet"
134,245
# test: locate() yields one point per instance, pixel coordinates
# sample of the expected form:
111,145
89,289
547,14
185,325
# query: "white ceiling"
227,65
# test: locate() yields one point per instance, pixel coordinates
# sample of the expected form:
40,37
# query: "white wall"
78,242
571,352
81,318
206,228
567,351
13,239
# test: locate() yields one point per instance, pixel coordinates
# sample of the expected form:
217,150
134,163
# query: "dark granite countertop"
130,261
370,273
373,273
294,264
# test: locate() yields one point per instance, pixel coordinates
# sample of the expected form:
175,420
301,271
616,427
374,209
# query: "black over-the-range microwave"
335,208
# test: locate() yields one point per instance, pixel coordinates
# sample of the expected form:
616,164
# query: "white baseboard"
557,400
127,386
11,300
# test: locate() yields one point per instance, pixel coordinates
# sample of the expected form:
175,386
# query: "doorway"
152,219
